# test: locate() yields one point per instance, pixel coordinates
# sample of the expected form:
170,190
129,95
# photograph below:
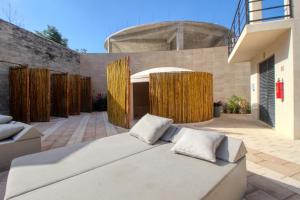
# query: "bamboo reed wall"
185,97
118,98
74,94
59,95
86,94
39,92
19,94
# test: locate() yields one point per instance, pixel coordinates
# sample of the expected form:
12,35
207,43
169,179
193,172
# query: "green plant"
237,104
53,34
244,106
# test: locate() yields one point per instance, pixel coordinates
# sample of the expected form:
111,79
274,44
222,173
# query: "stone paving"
273,163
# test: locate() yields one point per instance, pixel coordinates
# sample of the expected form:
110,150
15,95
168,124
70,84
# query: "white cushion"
231,150
198,144
169,133
5,119
9,130
150,128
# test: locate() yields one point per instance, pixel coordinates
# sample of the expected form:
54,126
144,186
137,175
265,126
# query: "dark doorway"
267,91
140,99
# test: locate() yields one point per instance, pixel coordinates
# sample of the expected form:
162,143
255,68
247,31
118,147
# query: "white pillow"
150,128
169,134
9,130
5,119
198,144
231,150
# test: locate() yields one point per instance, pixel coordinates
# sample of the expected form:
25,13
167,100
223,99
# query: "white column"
256,5
296,65
179,37
109,46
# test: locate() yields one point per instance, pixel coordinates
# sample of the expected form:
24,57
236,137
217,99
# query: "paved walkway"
273,163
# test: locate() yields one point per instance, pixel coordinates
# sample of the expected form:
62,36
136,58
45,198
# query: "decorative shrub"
100,102
237,105
244,107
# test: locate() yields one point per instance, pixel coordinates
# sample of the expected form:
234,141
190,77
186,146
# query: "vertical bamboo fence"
39,92
19,93
59,95
86,94
74,94
186,97
118,98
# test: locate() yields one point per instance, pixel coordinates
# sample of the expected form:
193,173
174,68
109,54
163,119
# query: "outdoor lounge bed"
27,141
123,167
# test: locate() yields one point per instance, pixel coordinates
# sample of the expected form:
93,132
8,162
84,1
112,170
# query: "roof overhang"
143,76
256,37
162,36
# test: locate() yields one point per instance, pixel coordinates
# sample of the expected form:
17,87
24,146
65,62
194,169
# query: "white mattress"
129,169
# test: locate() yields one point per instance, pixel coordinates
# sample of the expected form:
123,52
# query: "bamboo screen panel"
86,94
19,94
118,98
74,94
39,92
185,97
59,95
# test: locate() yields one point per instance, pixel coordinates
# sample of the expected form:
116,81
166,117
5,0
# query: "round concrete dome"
166,36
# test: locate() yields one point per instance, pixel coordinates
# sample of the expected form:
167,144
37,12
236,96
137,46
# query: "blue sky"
86,23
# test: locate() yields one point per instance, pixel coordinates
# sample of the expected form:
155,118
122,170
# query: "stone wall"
229,79
20,46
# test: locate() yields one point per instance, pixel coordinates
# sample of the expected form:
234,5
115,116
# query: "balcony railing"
251,11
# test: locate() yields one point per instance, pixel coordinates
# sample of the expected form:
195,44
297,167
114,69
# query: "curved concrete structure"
166,36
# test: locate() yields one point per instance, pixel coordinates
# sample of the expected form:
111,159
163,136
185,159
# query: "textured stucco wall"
20,46
229,79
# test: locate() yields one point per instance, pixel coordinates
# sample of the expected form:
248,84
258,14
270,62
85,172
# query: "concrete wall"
228,79
20,46
142,46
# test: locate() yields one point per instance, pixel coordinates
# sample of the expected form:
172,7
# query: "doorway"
140,99
267,91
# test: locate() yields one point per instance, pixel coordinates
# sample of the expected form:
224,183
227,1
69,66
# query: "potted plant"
217,108
237,105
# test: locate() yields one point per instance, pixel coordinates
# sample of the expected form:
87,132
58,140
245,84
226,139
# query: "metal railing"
269,10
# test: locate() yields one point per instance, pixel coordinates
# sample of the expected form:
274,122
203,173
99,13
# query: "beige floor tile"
271,158
296,176
286,170
254,158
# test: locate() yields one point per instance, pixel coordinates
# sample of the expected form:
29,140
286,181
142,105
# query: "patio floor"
273,163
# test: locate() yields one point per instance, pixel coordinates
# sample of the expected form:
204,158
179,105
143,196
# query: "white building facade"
268,36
